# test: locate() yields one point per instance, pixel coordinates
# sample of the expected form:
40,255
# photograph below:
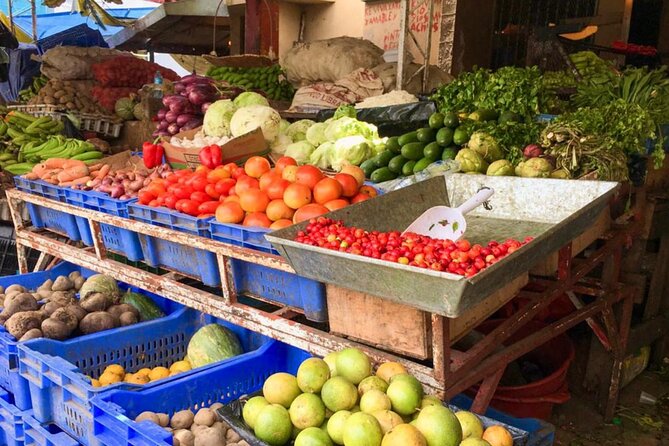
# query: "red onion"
173,129
532,151
171,116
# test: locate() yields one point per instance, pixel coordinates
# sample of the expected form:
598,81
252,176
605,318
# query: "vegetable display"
33,89
115,373
73,96
270,80
53,311
129,71
341,400
460,257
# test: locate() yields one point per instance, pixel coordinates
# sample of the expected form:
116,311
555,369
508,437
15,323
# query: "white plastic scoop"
442,222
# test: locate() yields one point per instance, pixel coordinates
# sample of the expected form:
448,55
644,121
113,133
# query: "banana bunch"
595,71
22,128
7,158
270,79
30,92
59,146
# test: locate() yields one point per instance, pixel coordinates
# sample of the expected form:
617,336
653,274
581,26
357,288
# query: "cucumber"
422,164
383,174
396,164
445,136
407,169
393,144
368,167
383,158
413,150
436,120
426,135
407,138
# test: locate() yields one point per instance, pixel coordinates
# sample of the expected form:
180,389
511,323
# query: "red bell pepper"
152,154
211,156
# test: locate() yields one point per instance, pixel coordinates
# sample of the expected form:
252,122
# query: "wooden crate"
549,265
401,329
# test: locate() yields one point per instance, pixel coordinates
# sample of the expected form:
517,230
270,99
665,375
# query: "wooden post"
252,27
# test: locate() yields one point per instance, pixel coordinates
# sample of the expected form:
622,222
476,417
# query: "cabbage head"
280,143
346,126
350,150
316,134
345,110
250,98
300,151
322,156
378,145
217,119
298,129
247,119
283,126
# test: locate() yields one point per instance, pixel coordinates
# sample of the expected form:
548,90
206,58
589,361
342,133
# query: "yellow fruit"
174,373
389,369
116,369
95,382
180,366
128,377
498,436
159,373
144,371
138,379
108,378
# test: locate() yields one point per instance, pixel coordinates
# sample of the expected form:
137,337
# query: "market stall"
257,242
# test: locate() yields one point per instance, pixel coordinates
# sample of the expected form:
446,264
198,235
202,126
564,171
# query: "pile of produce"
202,428
53,310
60,147
247,112
340,400
121,183
269,80
340,141
185,109
461,257
74,96
129,71
211,343
257,194
593,69
22,128
33,89
65,172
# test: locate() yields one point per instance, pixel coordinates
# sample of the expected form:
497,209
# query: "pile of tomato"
458,257
258,194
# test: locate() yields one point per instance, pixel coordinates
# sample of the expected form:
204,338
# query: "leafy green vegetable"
345,110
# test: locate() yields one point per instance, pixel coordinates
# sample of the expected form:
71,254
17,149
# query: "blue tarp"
21,71
50,24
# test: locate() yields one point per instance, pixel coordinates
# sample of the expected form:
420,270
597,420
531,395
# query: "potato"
96,321
164,419
185,437
151,416
73,275
55,329
118,310
205,417
76,310
64,298
78,283
197,428
231,436
175,442
20,323
62,283
15,288
182,419
216,406
95,302
31,334
19,303
46,285
242,443
50,307
127,318
67,317
210,437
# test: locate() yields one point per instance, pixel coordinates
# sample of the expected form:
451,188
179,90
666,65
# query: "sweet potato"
55,163
31,176
68,164
73,173
82,180
104,170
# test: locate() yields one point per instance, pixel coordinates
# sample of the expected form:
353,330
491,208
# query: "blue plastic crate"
268,283
11,421
119,240
41,188
539,433
10,378
44,435
59,391
192,262
114,412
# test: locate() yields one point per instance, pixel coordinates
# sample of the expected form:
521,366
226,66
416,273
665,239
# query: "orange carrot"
31,176
73,163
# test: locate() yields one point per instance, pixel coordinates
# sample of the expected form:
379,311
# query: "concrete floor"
577,423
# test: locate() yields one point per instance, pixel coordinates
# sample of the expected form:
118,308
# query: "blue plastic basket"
196,263
59,391
119,240
268,283
10,378
44,435
11,421
114,412
539,433
42,217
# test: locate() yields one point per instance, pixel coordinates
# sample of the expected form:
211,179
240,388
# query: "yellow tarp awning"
20,35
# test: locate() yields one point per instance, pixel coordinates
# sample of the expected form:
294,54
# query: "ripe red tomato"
223,186
145,196
190,207
208,207
211,191
170,201
199,183
183,192
199,196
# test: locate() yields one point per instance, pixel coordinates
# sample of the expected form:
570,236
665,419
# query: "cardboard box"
237,150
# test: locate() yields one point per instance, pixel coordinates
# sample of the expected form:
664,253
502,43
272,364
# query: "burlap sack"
72,62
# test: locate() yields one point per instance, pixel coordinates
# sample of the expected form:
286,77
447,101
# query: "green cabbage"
350,150
345,110
250,98
346,126
280,143
298,129
300,151
283,125
316,134
378,145
249,118
322,156
217,119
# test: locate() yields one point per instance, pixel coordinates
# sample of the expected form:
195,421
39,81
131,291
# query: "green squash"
148,310
212,343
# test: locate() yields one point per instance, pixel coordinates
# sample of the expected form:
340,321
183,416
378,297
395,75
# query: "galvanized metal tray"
554,212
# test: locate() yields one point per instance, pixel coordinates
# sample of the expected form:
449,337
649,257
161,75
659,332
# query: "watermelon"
124,108
212,343
148,310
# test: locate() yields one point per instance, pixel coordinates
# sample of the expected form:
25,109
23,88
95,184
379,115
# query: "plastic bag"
435,169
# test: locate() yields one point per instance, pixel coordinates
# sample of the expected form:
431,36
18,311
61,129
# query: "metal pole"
33,13
401,47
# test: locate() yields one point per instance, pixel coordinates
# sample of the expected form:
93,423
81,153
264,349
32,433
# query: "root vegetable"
151,416
73,275
205,417
216,406
31,334
197,428
97,321
62,283
67,317
128,318
15,288
95,302
163,419
46,285
231,436
55,329
78,283
210,436
50,307
182,419
185,437
63,298
20,302
76,310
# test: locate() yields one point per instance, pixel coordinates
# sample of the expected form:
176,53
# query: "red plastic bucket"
536,399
